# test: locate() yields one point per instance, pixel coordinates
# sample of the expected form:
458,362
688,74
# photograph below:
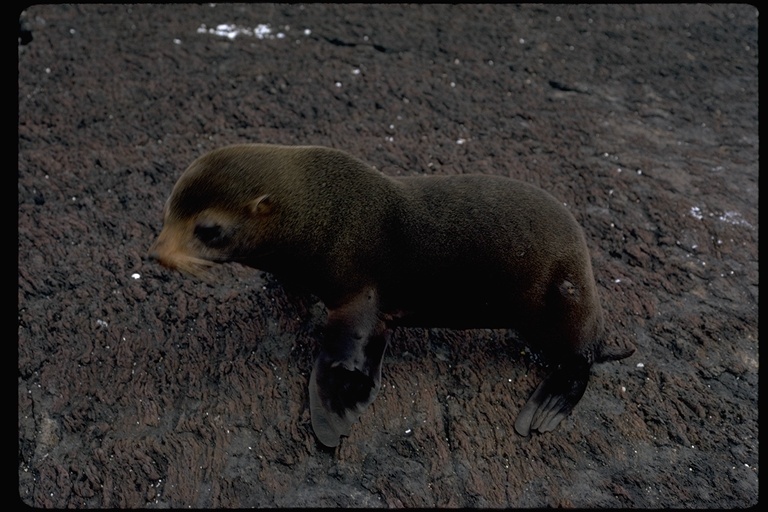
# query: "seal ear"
262,205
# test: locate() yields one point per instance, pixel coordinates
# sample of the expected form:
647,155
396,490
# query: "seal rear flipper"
553,399
340,391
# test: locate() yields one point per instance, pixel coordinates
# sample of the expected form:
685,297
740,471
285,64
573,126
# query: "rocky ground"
141,387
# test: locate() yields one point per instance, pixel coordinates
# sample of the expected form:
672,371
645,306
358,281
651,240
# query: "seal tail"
613,351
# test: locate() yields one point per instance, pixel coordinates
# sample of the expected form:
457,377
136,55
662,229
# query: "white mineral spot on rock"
734,218
696,212
231,31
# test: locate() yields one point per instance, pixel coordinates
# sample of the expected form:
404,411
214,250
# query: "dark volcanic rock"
138,387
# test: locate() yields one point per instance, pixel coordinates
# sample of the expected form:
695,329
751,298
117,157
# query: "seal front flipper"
347,373
554,399
341,390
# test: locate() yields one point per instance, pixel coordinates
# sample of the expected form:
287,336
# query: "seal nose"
161,250
153,253
160,253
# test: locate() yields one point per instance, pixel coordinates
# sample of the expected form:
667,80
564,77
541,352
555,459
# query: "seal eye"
210,234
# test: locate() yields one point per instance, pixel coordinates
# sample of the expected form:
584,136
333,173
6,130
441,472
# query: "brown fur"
460,251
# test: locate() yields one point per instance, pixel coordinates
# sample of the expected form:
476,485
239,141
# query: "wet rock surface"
140,387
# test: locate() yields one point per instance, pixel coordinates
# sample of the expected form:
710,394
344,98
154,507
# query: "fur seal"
461,251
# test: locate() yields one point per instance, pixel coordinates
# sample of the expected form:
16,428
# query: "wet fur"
460,251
